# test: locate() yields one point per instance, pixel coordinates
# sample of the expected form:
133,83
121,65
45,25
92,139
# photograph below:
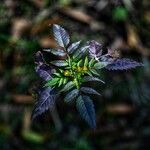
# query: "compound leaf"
47,98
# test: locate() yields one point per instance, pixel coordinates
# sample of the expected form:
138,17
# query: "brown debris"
46,42
42,26
119,109
76,14
22,99
20,26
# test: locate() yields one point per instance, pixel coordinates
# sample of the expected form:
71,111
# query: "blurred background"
122,112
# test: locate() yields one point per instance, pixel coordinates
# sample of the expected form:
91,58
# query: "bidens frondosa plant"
77,65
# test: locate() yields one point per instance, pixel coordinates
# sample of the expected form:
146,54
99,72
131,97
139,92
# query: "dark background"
122,112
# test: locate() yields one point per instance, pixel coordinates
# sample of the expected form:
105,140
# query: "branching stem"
72,71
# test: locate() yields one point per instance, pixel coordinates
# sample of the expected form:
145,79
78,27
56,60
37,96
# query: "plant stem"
72,71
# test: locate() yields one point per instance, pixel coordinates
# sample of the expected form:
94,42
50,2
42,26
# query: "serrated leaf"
89,78
57,52
86,109
44,71
52,82
39,58
41,68
59,63
100,65
68,86
78,54
60,35
86,62
123,64
89,90
95,49
73,47
47,98
71,95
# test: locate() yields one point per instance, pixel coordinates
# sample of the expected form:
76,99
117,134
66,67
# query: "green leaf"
86,62
89,78
86,109
100,65
57,74
65,81
52,82
91,63
71,95
60,63
89,90
57,52
94,72
61,70
68,86
60,82
79,63
89,73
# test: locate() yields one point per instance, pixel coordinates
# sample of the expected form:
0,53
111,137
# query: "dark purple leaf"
89,90
71,95
110,57
43,69
60,35
86,109
57,52
95,49
73,47
123,64
90,78
39,58
78,54
46,100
